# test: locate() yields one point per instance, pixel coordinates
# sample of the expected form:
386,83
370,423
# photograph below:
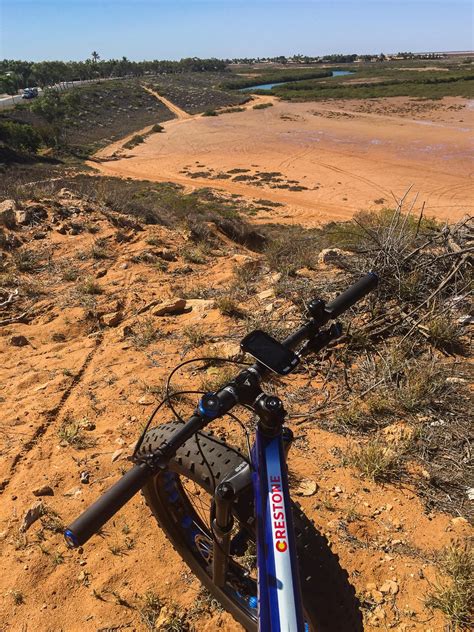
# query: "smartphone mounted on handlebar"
276,356
269,352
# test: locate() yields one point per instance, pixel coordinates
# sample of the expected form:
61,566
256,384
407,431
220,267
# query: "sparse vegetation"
196,254
144,332
262,106
276,76
137,139
195,335
116,549
228,307
292,250
176,622
231,110
19,136
57,558
443,332
247,275
70,274
99,250
382,81
216,377
453,593
18,597
71,432
149,610
27,261
397,383
90,287
81,120
375,460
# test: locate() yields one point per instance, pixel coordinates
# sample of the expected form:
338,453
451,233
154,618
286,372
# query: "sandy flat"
348,155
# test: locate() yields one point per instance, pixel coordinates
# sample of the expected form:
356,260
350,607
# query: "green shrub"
262,106
19,136
134,141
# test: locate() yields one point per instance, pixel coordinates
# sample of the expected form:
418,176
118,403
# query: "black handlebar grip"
107,505
352,295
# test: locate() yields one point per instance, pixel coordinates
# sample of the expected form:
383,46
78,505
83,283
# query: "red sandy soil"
348,159
72,370
350,155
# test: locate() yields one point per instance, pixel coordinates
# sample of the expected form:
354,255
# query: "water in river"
269,86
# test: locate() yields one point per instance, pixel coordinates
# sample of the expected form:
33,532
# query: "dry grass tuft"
375,460
72,433
228,307
453,595
144,332
90,287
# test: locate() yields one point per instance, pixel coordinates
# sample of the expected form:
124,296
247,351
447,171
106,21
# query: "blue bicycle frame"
279,592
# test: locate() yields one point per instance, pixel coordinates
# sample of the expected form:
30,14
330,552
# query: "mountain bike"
218,507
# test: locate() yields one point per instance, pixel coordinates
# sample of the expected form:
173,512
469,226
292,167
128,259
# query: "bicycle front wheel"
180,499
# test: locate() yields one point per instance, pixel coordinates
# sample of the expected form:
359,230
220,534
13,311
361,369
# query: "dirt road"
180,114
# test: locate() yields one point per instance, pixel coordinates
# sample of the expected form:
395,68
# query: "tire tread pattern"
329,598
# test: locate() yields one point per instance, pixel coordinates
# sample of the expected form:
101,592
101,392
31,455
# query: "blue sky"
156,29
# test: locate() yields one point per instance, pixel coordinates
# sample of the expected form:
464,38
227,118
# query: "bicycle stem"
244,389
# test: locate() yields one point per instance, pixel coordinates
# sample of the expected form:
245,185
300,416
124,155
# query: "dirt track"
346,159
180,114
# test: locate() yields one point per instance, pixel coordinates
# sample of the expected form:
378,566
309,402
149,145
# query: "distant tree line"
17,74
296,59
331,59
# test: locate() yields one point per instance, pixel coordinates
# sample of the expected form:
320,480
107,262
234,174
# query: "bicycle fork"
279,593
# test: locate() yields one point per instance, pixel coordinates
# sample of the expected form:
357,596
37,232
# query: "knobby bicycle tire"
329,600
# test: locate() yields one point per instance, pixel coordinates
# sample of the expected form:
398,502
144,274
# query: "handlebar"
352,295
94,518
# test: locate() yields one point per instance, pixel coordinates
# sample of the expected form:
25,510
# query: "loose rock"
7,214
333,256
389,587
116,455
173,307
19,341
200,305
166,255
307,487
455,380
32,515
73,492
44,490
113,319
266,294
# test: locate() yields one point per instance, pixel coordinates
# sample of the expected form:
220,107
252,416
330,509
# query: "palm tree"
95,56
